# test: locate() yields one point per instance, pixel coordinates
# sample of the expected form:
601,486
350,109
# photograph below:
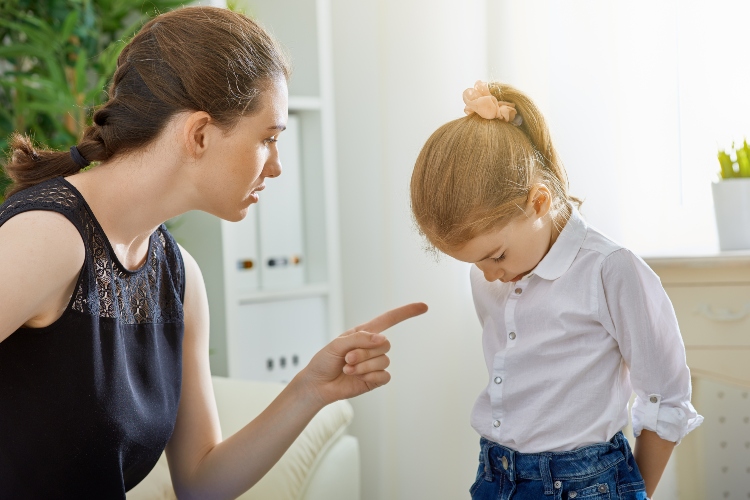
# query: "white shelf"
304,103
273,295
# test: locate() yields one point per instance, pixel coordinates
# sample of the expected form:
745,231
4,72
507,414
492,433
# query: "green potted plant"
56,60
731,195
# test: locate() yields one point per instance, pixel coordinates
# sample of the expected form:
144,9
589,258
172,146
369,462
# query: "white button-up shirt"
564,344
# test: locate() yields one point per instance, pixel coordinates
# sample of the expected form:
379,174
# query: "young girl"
570,319
104,318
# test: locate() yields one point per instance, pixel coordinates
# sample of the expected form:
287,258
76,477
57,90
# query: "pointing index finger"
392,318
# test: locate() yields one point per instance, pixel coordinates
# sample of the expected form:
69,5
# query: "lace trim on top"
151,294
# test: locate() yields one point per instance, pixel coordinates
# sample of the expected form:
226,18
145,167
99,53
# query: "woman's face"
236,164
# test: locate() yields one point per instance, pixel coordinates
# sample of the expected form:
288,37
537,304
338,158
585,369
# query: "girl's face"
512,251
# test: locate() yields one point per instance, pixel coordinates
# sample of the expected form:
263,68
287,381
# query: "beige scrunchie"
479,100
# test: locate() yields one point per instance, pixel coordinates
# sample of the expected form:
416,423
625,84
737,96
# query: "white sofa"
322,464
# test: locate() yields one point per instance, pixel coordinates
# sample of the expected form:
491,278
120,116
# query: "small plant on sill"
736,162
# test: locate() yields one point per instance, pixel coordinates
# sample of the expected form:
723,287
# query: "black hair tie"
78,157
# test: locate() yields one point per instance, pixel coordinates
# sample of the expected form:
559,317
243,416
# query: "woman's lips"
254,193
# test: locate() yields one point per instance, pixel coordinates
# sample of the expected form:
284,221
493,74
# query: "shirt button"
558,485
512,335
572,494
498,380
504,460
496,423
653,399
518,291
603,488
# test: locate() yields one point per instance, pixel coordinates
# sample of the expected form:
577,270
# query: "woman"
104,318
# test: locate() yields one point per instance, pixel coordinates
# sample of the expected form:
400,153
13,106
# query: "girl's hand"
355,362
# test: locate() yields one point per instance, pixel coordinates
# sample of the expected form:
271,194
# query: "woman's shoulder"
41,237
54,195
41,255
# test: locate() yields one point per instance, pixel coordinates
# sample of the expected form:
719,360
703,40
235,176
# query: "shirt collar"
563,252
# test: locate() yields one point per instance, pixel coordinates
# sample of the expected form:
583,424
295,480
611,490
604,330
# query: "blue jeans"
600,471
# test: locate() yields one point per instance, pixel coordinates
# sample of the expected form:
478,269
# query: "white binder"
242,246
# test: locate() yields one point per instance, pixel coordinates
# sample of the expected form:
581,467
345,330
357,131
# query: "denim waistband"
565,465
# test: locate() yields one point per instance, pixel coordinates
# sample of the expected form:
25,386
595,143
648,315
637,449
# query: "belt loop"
544,459
487,464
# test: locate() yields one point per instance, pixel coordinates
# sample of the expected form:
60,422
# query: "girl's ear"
540,200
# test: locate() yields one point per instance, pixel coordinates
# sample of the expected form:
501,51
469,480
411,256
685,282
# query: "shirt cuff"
671,423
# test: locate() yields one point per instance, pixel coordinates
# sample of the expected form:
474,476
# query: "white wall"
639,95
400,68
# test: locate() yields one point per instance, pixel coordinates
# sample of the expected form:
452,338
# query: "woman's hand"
355,362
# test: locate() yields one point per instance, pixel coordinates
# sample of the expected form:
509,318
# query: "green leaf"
743,160
80,71
727,170
70,22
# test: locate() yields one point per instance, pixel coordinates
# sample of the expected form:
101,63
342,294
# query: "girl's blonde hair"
474,174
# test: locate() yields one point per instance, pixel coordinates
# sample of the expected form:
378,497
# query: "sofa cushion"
238,402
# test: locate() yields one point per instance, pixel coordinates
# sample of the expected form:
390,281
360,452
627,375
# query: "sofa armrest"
238,402
337,475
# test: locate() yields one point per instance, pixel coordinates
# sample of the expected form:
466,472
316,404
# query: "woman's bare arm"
41,255
201,464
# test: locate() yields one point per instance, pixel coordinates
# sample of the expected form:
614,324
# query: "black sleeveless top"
88,403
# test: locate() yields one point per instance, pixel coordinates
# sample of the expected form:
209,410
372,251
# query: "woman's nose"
273,167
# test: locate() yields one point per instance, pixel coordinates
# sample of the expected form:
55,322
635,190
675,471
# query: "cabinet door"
241,239
274,340
712,315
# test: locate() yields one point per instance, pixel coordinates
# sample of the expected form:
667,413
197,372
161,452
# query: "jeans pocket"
633,491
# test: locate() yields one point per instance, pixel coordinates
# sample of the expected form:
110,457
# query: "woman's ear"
195,133
539,201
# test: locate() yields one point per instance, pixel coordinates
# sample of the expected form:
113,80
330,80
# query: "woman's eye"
270,140
498,259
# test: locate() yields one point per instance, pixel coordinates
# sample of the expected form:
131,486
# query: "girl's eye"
498,259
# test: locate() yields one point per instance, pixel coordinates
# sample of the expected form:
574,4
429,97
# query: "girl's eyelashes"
498,259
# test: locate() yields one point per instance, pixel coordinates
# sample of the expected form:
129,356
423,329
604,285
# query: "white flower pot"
732,206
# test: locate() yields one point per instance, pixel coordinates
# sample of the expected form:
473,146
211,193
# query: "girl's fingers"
371,365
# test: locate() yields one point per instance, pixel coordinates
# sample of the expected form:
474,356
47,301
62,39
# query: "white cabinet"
273,279
711,298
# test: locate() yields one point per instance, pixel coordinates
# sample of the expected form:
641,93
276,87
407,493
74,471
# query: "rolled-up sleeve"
637,312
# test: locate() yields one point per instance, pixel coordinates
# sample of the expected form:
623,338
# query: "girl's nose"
492,276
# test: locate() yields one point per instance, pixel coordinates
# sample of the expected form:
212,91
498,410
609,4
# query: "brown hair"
191,59
474,174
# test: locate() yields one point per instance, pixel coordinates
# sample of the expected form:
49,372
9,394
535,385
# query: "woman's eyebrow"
280,128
